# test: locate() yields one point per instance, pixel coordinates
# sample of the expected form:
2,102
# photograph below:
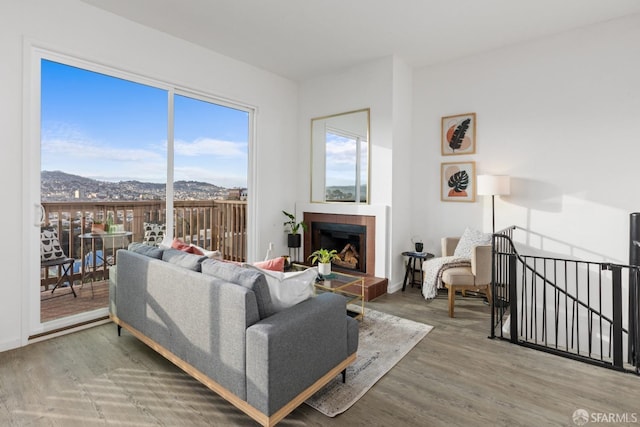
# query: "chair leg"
452,298
63,276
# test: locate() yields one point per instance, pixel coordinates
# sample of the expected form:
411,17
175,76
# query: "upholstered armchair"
477,277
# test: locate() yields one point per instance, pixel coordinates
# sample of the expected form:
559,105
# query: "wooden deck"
61,302
455,376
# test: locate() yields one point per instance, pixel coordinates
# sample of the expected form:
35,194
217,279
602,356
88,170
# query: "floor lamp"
493,185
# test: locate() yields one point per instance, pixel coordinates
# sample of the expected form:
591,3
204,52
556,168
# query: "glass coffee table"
347,285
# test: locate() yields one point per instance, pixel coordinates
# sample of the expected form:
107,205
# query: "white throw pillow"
291,288
209,254
50,247
470,239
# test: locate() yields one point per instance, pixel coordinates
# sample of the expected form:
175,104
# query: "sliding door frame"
34,53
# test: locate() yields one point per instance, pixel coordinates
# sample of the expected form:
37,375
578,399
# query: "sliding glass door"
125,159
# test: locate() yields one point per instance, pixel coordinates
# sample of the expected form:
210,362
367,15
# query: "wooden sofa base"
229,396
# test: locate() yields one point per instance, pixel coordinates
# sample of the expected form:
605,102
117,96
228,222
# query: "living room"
556,113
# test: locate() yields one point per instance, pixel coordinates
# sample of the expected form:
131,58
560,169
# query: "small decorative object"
97,226
458,134
417,242
324,258
458,182
293,228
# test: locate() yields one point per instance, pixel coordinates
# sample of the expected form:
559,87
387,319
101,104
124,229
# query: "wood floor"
456,376
61,302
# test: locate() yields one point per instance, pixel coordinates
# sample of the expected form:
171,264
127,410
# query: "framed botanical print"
458,134
458,182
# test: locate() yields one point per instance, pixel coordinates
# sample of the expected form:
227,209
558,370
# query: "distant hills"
62,186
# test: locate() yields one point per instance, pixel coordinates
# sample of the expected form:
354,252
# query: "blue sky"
111,129
341,160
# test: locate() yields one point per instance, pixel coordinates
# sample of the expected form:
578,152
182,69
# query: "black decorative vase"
294,240
419,247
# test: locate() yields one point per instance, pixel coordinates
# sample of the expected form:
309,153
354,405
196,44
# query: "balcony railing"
212,224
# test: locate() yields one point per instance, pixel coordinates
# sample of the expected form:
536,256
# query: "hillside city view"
57,186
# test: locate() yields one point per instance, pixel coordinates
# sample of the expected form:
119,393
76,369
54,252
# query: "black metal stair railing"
571,308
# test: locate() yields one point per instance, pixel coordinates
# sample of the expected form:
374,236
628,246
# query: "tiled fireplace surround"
365,220
375,220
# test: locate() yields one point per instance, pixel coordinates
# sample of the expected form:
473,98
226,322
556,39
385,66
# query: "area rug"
384,340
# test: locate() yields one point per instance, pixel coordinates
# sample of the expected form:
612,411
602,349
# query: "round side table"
411,267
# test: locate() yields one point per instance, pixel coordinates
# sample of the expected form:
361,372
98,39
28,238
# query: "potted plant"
324,258
293,228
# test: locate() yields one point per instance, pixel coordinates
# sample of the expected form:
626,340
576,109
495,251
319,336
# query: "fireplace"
349,240
352,236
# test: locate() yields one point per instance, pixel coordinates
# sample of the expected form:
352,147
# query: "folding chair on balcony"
52,255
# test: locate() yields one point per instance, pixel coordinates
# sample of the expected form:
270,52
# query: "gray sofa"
215,320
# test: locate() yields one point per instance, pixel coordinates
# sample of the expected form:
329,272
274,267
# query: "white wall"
74,28
384,86
402,227
560,115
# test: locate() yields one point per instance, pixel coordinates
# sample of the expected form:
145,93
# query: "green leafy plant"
292,226
324,256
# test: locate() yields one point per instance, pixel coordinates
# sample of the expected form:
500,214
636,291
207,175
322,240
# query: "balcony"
211,224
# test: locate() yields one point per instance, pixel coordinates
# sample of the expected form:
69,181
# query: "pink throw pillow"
275,264
182,246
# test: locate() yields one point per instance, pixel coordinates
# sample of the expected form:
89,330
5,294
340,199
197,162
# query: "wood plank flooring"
456,376
61,302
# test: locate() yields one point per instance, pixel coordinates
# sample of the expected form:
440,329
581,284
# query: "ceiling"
300,39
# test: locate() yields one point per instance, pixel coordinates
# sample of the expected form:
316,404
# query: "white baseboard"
9,345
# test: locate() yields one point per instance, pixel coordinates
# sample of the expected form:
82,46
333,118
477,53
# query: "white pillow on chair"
470,239
50,247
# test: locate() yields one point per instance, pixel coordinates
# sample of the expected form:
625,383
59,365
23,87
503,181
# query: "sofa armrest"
449,245
290,350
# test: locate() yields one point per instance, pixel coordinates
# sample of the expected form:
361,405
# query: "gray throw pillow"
142,249
183,259
251,279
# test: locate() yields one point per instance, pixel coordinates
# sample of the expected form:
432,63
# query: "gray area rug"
384,340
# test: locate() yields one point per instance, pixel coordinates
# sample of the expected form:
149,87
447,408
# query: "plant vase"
324,268
294,240
97,228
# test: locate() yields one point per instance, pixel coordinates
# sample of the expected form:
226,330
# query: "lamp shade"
493,185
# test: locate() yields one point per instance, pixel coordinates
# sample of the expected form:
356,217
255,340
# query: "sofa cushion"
252,279
458,276
469,239
142,249
183,259
288,289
